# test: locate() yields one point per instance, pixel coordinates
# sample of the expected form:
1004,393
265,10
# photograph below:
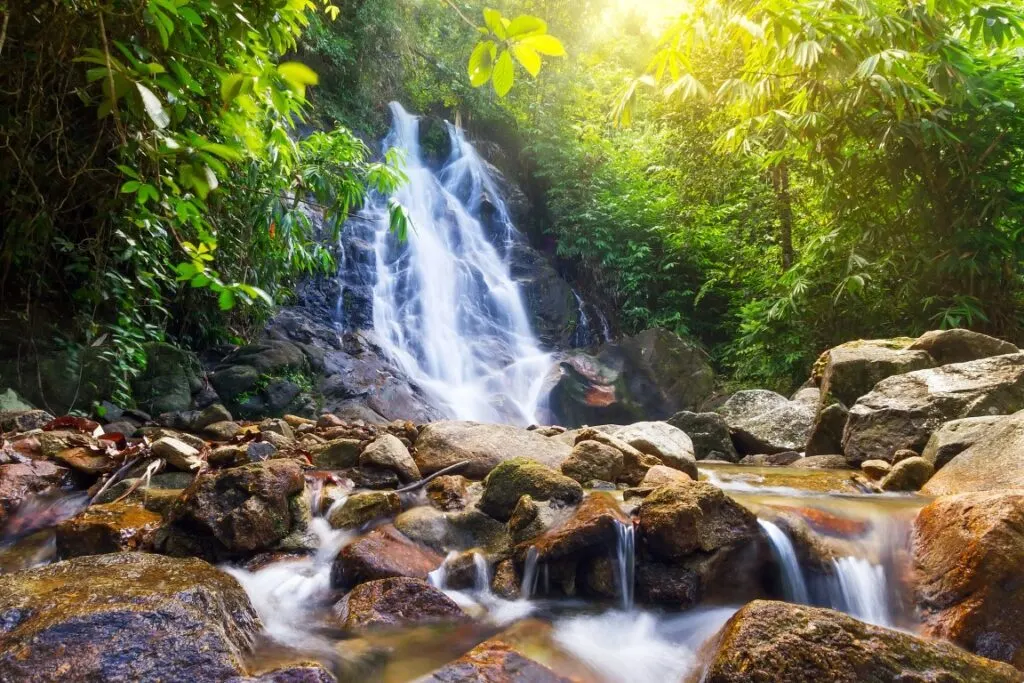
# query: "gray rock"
336,454
827,432
222,431
258,451
441,444
389,453
709,434
11,402
211,415
994,462
171,377
850,370
765,422
23,420
771,459
823,462
902,411
960,346
177,453
956,436
669,444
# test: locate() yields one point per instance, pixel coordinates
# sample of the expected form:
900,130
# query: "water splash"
444,303
625,566
793,582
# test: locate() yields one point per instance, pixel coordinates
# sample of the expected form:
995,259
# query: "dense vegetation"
771,177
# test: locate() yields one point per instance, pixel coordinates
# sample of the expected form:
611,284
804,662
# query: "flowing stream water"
444,302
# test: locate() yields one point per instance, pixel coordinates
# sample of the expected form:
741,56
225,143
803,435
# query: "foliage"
523,39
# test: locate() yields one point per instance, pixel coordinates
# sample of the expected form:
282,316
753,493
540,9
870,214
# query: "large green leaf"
525,24
544,44
481,62
528,57
495,22
504,74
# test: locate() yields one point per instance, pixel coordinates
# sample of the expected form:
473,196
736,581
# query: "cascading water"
444,303
625,555
793,583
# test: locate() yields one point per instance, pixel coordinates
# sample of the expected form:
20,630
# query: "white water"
793,583
625,556
862,590
444,304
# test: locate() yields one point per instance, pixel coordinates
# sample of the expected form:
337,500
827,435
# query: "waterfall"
860,588
445,306
529,585
625,551
793,583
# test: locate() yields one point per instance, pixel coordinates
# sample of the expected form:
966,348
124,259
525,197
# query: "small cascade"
529,585
860,588
625,555
793,583
591,330
481,574
439,577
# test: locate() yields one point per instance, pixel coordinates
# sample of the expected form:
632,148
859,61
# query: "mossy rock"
518,477
171,377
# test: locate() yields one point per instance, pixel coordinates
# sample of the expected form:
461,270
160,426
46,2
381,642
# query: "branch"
459,12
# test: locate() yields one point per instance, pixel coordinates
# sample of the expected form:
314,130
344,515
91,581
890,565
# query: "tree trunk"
780,182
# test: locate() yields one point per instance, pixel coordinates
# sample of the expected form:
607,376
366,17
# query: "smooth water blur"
444,303
793,582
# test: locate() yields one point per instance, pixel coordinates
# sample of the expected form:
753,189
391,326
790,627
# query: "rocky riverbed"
867,528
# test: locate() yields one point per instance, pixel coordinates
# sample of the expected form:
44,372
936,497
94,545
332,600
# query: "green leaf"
226,300
493,19
481,62
231,87
153,106
544,44
504,74
256,293
298,75
528,57
130,186
524,24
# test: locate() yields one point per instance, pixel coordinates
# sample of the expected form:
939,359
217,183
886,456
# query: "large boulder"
237,511
513,479
668,444
850,370
124,617
381,554
169,380
955,437
826,437
272,377
765,422
995,461
393,602
902,411
960,346
776,641
484,446
709,433
548,298
651,375
592,460
968,553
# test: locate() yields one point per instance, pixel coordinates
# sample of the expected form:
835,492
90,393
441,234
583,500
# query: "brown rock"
494,661
514,478
771,642
393,602
635,466
336,454
876,469
18,481
909,474
383,553
591,460
593,527
445,443
86,461
449,492
389,453
968,554
111,528
660,475
506,581
360,508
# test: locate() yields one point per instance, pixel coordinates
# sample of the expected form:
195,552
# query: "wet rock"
659,475
781,459
308,672
86,461
635,466
222,431
679,520
593,460
336,454
228,456
109,528
449,492
258,451
968,551
235,511
23,420
441,444
506,582
775,641
178,454
517,477
765,422
823,462
360,508
907,475
592,528
709,434
850,370
394,602
383,553
956,436
826,435
669,444
875,469
903,411
389,453
494,661
995,461
18,481
960,346
124,617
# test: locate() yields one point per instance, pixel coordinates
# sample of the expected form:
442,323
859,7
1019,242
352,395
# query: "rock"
506,583
425,525
679,520
11,402
776,641
968,551
765,422
995,461
902,411
393,602
361,508
709,434
170,378
956,436
669,444
18,481
113,528
549,299
258,451
850,370
659,475
354,410
336,454
388,453
449,492
771,460
902,454
296,421
383,553
908,475
86,461
593,460
211,414
222,431
235,511
875,469
635,466
124,617
823,462
228,456
960,346
178,454
517,477
494,661
273,425
306,672
23,420
826,435
441,444
367,478
594,526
